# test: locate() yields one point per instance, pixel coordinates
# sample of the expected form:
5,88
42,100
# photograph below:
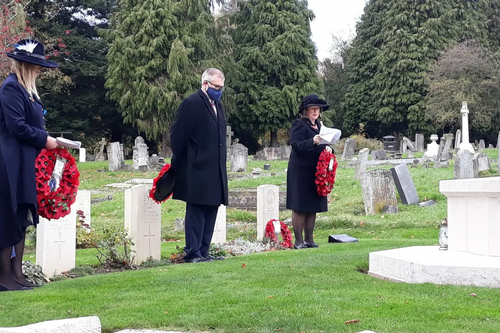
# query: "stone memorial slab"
238,158
143,222
267,207
463,168
72,325
99,153
378,192
441,147
82,155
433,147
458,139
483,162
362,161
498,141
83,202
448,141
115,156
378,155
219,235
56,244
409,144
404,184
498,161
481,146
349,147
419,142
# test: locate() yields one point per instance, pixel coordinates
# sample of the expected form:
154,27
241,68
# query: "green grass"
313,290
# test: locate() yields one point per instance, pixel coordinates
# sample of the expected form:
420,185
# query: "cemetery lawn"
311,290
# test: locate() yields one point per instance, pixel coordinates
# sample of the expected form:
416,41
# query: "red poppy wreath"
163,171
285,234
325,172
55,196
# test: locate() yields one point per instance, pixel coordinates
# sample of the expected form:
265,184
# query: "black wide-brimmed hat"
31,51
163,185
313,100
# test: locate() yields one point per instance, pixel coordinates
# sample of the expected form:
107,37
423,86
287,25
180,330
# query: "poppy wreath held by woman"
325,172
55,194
285,234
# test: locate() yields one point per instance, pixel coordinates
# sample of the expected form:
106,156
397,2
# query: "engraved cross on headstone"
149,236
60,242
229,136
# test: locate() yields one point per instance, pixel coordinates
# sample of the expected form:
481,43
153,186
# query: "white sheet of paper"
329,135
68,143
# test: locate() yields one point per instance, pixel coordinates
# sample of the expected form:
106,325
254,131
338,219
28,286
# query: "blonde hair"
26,75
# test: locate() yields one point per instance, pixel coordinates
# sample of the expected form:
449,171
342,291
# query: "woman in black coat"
22,136
301,195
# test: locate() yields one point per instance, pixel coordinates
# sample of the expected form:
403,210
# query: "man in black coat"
198,141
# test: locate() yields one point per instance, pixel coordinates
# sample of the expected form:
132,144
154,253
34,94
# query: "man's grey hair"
210,74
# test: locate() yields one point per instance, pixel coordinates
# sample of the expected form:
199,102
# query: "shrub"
115,248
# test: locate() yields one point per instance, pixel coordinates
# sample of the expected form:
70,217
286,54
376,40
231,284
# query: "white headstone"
83,202
361,165
82,155
143,222
465,144
433,147
219,235
267,207
56,244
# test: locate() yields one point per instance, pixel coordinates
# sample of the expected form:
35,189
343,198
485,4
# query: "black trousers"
199,228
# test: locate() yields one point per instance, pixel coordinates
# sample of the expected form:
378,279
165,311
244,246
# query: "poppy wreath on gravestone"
325,172
285,234
54,203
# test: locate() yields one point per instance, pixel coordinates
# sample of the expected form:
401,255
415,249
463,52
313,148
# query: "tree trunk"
166,151
274,139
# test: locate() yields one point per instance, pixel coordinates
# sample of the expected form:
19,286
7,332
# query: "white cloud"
333,16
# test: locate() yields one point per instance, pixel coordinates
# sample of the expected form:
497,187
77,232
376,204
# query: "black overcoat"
301,193
198,142
22,136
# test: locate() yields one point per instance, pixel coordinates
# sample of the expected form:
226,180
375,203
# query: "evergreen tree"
78,104
159,48
276,57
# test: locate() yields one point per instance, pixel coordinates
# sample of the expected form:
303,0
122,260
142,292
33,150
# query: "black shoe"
208,256
2,288
312,245
197,260
300,246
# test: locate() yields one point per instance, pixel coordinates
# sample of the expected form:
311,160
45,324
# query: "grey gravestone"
463,165
114,158
179,224
490,146
482,145
99,154
378,192
238,158
458,138
378,155
498,141
349,147
441,163
361,165
404,184
441,147
448,141
498,161
408,143
284,153
229,135
483,162
267,166
419,142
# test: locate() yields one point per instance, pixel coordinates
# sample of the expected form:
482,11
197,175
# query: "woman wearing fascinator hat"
22,136
301,194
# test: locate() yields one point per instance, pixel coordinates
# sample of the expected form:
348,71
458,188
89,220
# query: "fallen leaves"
244,265
352,321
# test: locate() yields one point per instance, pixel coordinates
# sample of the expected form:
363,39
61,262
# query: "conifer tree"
277,59
159,48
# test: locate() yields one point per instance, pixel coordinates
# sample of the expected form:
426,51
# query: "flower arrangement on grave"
325,172
285,234
164,170
57,180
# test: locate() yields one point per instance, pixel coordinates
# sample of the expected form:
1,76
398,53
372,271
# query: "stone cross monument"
465,144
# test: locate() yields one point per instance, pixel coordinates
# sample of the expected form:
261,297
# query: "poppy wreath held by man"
325,172
285,234
57,180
